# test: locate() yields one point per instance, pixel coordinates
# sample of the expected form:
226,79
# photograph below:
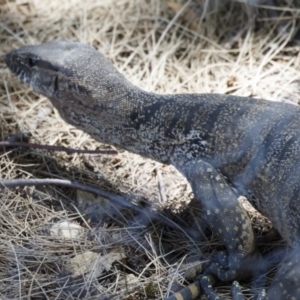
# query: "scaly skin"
226,146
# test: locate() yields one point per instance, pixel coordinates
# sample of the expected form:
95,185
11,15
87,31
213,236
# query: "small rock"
66,229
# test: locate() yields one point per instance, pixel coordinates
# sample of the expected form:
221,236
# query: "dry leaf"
94,263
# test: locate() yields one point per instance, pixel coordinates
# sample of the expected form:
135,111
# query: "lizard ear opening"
55,87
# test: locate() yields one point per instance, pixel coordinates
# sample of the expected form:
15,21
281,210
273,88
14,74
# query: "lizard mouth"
20,70
27,69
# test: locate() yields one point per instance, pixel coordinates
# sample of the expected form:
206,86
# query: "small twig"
54,148
122,200
63,182
161,187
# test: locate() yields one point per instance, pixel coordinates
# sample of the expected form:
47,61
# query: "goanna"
226,146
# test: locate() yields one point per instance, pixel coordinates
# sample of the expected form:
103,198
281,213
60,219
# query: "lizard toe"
236,291
207,286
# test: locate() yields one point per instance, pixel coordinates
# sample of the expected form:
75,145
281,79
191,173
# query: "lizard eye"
31,62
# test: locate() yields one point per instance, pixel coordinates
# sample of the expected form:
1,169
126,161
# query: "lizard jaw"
13,62
25,67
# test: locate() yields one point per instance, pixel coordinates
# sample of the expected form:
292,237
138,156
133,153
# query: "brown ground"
158,49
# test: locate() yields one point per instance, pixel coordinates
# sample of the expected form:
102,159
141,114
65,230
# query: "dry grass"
157,50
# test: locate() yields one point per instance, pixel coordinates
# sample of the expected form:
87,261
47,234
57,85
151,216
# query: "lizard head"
41,66
74,76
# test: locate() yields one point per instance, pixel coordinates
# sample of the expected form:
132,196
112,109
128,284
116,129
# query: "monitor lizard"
226,146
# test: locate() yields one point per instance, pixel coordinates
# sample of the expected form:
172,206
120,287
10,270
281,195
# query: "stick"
54,148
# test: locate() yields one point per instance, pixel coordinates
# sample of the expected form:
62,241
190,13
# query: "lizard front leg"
225,217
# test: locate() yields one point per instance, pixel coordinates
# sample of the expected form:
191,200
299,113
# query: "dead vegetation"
59,243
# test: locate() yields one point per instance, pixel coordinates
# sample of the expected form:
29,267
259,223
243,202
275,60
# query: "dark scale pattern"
226,146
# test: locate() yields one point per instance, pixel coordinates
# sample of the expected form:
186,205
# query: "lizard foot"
227,267
236,292
207,283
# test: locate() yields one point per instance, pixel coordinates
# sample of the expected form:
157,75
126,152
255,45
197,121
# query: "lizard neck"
124,116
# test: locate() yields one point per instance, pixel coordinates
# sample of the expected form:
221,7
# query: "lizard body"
224,145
